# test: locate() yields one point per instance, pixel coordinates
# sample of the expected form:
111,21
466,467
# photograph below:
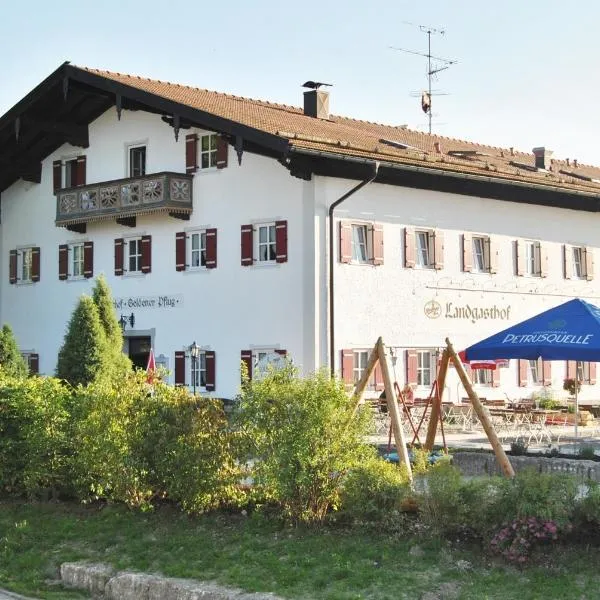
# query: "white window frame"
481,254
424,252
199,253
533,258
270,244
26,355
72,262
127,255
425,373
25,264
583,372
67,172
199,372
535,375
482,377
361,251
129,161
361,358
579,263
210,154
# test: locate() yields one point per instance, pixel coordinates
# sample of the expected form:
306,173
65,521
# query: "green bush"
35,446
12,362
303,439
587,453
587,510
374,491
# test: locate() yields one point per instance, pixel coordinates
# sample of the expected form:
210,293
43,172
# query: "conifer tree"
83,355
11,359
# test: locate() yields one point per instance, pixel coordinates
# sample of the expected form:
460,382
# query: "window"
534,373
424,248
133,252
533,259
481,254
579,270
361,357
198,370
24,263
137,161
197,250
424,367
266,243
208,151
583,372
32,360
482,377
77,260
70,173
360,251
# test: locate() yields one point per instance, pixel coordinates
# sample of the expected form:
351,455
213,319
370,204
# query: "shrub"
587,453
519,447
34,441
374,491
303,438
587,510
13,364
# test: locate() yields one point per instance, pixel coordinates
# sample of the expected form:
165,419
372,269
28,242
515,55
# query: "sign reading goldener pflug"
138,302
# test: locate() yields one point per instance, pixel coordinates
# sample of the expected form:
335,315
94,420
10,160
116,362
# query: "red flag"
151,367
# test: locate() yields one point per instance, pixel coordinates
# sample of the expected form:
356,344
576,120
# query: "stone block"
86,576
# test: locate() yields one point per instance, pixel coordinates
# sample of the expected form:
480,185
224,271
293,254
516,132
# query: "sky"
525,72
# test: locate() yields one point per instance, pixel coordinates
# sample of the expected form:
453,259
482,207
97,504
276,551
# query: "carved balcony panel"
157,193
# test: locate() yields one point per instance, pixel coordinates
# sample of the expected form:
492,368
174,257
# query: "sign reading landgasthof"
468,312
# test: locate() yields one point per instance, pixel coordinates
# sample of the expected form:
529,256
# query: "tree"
83,355
10,358
117,362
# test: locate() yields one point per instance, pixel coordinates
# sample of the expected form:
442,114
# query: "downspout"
333,206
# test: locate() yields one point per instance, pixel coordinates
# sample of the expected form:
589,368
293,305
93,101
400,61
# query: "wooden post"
482,413
362,383
392,404
436,407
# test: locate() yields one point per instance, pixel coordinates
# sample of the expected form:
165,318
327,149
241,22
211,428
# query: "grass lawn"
259,556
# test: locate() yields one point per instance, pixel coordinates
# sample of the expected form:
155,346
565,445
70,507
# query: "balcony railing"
125,199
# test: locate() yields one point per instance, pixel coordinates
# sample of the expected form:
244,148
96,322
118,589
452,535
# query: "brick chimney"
542,157
316,104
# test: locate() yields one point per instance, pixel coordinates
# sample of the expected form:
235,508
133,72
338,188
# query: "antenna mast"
432,70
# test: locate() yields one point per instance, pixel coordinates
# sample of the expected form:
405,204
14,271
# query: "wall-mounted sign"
433,310
138,302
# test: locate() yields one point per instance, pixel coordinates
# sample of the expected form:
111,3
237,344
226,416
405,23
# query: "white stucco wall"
226,309
389,300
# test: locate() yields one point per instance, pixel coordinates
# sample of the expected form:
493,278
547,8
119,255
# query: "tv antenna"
440,64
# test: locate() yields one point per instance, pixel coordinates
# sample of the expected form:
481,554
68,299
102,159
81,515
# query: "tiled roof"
351,137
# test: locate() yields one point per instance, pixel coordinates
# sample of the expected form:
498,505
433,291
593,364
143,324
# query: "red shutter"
222,151
12,266
377,244
589,263
571,369
88,259
438,250
281,241
119,256
281,352
492,245
180,252
467,252
592,373
496,377
35,264
348,366
411,367
180,368
543,259
34,364
247,359
409,247
567,261
191,154
146,253
210,370
547,371
247,245
80,175
345,241
378,378
520,253
63,262
523,368
211,248
56,175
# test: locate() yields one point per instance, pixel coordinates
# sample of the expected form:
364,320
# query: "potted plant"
572,385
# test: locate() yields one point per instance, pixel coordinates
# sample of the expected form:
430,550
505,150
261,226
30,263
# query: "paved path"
4,595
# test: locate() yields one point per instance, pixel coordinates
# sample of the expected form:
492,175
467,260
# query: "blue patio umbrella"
570,331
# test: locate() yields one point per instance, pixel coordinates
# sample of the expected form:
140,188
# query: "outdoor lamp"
194,353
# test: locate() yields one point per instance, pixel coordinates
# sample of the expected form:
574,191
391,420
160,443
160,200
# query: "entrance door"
139,350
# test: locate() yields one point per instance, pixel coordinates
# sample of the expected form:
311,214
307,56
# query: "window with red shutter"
56,175
347,360
222,152
119,256
592,373
496,377
146,253
438,250
180,251
411,367
467,252
377,243
409,248
88,259
34,363
80,175
12,266
63,262
35,264
191,153
247,360
211,248
345,242
547,372
523,373
247,245
179,368
281,241
210,359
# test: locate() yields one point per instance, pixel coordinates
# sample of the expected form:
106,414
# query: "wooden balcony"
125,199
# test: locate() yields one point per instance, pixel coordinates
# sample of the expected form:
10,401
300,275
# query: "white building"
209,216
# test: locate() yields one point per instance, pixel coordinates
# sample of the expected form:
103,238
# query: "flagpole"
576,397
